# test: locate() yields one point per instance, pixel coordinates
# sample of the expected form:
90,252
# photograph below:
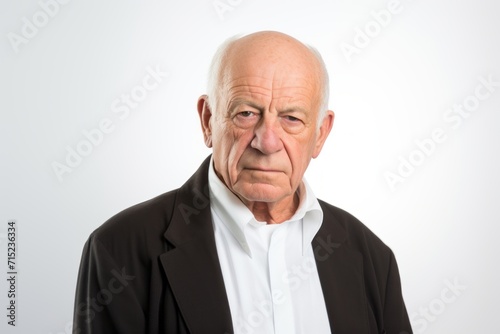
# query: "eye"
246,113
246,118
292,123
292,118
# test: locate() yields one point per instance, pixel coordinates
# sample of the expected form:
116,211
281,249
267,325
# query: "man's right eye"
245,118
246,113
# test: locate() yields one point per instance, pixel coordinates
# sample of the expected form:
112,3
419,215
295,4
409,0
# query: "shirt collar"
236,216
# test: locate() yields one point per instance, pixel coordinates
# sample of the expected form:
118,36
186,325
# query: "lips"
255,163
263,169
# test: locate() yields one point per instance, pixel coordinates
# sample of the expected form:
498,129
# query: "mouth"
263,169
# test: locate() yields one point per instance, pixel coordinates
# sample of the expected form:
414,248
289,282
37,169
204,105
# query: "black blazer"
153,268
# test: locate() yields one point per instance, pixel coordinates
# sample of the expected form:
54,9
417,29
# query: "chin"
261,193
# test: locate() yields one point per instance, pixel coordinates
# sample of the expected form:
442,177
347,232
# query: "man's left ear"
324,131
205,114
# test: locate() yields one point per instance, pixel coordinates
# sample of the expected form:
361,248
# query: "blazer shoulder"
353,232
354,245
139,225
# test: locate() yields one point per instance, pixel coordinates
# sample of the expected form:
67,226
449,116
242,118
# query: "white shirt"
269,271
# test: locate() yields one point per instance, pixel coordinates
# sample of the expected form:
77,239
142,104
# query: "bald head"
267,54
273,48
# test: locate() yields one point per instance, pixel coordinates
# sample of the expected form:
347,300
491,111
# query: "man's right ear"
205,114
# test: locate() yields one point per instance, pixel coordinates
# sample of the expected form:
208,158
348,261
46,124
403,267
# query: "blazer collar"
192,265
340,269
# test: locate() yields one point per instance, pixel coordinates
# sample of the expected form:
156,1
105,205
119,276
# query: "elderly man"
244,246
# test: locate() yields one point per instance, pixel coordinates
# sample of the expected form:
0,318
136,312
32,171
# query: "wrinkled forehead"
275,69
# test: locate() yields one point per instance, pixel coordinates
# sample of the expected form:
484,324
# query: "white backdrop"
415,85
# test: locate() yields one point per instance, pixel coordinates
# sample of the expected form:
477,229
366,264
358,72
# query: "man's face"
264,132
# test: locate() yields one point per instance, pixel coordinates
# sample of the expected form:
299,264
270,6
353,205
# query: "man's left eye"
291,118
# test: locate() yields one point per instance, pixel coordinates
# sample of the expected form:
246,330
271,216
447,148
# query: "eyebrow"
294,109
237,102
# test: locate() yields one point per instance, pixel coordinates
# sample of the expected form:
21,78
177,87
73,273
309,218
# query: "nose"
267,138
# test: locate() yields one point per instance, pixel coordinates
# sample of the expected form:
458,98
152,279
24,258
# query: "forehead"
261,78
274,86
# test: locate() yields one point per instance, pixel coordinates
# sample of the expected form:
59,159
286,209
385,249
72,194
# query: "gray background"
441,221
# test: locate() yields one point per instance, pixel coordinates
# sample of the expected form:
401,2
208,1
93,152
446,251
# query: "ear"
205,114
323,132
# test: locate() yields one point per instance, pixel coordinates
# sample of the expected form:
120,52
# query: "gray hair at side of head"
215,77
325,85
215,72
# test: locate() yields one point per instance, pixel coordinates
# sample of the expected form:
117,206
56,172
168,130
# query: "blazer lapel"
192,265
341,275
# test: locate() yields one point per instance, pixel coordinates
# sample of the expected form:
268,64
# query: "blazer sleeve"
396,319
105,298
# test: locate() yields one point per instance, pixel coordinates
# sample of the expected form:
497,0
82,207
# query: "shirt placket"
280,291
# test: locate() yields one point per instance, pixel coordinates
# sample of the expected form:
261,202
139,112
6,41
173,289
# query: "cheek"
223,140
300,153
229,146
239,145
220,149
